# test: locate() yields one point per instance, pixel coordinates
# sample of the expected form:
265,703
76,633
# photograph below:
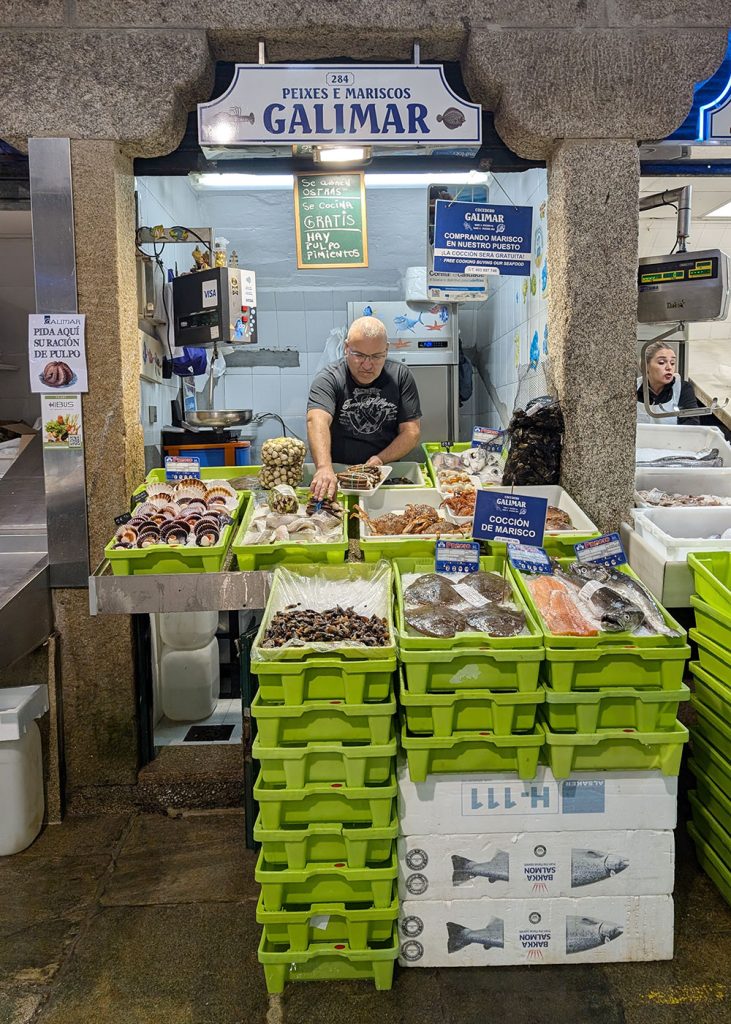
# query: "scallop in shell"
175,533
160,489
148,535
126,534
219,490
145,509
206,534
192,485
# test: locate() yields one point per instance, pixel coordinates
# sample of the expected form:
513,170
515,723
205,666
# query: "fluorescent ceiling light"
261,181
720,213
340,154
285,181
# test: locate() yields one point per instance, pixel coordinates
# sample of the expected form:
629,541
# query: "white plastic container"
559,498
684,481
21,767
190,682
396,500
188,631
675,532
679,438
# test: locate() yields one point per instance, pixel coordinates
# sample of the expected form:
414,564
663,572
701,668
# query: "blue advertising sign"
605,550
179,466
457,556
509,517
476,238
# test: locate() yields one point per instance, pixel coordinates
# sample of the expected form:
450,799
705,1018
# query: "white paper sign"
56,352
62,423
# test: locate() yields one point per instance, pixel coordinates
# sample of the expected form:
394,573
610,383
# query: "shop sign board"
326,104
330,220
480,239
509,517
56,352
62,421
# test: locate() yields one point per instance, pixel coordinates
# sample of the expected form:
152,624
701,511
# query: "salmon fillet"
560,612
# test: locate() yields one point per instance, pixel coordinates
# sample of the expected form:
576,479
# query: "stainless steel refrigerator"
425,336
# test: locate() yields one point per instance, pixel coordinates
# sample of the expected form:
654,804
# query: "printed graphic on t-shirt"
367,411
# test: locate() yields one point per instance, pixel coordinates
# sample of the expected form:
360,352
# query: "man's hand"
374,460
324,483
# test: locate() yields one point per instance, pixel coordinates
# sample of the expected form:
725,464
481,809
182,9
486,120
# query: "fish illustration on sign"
451,118
492,936
590,866
497,869
583,933
367,310
406,323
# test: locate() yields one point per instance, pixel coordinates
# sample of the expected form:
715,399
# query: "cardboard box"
544,864
483,933
477,803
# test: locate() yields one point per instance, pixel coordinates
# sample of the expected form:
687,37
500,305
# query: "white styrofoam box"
484,933
19,705
522,865
675,437
674,532
559,498
190,683
499,802
188,631
684,481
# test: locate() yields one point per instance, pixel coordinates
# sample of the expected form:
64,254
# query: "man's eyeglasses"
361,357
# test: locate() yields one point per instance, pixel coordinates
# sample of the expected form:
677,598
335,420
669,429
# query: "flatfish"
490,585
432,621
431,589
496,621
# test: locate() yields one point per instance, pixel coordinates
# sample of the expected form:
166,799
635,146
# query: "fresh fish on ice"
436,622
492,936
615,612
708,458
590,866
584,933
497,869
632,590
431,588
495,621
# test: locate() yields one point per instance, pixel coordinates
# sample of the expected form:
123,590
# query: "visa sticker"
178,466
526,558
605,550
457,556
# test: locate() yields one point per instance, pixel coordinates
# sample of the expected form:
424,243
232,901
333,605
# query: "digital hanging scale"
689,287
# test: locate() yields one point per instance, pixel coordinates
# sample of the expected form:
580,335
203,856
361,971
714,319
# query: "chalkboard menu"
330,220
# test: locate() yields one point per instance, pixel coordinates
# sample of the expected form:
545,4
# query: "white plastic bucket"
188,631
21,767
190,682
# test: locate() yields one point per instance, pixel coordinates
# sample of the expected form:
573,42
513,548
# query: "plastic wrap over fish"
361,588
480,602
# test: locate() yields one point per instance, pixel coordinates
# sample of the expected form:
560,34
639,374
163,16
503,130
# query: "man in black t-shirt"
362,409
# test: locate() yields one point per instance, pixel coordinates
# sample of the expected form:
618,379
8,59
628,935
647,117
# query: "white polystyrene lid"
19,705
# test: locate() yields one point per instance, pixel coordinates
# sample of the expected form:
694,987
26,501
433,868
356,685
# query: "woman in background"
668,392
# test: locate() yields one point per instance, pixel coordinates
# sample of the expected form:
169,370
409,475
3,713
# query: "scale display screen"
676,272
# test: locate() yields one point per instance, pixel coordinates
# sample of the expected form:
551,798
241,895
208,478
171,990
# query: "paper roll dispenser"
215,307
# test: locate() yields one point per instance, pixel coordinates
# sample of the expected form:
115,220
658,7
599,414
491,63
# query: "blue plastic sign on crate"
604,550
477,238
489,438
509,517
179,466
526,558
457,556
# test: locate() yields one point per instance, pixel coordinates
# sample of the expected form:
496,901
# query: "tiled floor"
228,712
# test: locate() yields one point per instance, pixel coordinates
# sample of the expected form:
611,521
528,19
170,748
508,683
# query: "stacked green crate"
611,700
468,703
326,747
711,740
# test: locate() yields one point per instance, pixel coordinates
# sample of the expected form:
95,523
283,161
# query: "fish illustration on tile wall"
497,869
407,323
492,936
583,933
535,352
590,866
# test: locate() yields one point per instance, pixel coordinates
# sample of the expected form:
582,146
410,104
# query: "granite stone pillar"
593,199
97,653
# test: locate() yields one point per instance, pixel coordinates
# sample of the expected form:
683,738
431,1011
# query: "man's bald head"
368,328
366,348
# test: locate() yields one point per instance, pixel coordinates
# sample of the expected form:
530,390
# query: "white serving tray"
360,492
396,500
683,481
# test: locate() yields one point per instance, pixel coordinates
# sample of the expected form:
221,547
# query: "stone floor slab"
80,837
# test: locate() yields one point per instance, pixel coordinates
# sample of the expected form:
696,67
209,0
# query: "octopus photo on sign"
57,374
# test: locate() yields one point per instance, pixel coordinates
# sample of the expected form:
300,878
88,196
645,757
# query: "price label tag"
457,556
487,437
139,497
178,466
604,550
507,517
529,559
124,518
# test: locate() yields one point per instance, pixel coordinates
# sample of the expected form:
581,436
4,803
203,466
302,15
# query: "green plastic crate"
266,556
328,961
322,720
712,728
472,752
712,692
359,927
466,669
712,577
280,806
355,682
326,883
208,473
711,762
407,641
623,638
164,560
712,622
711,830
615,708
339,653
615,750
447,714
711,796
711,863
357,845
361,764
591,668
712,657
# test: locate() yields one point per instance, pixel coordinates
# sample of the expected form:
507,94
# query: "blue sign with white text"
457,556
477,238
605,550
509,517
